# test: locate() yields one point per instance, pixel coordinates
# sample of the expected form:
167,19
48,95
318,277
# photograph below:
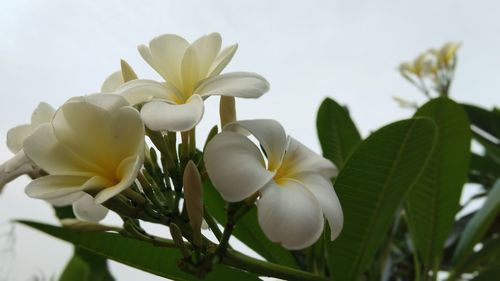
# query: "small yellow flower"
448,52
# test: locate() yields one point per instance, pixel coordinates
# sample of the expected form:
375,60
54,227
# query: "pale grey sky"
348,50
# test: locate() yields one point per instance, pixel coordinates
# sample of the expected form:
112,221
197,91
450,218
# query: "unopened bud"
176,234
127,71
227,110
406,67
193,195
15,167
449,51
405,103
423,64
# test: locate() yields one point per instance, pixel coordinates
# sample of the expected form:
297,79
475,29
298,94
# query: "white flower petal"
270,135
50,186
234,84
86,210
127,133
207,47
235,166
301,159
42,114
112,83
166,52
127,173
107,102
100,137
147,56
43,148
222,60
86,130
16,137
162,116
323,190
66,199
289,214
190,69
141,90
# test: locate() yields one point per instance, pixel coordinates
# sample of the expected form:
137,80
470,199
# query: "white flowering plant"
379,208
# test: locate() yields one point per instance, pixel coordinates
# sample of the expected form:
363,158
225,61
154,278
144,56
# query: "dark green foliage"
371,187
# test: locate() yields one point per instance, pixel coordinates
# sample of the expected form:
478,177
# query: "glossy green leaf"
489,274
371,187
432,204
492,149
247,229
83,265
160,261
482,164
488,121
337,132
86,266
488,254
478,225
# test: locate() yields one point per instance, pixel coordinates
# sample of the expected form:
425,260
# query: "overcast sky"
348,50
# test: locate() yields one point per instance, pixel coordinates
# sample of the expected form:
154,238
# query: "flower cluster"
432,70
92,151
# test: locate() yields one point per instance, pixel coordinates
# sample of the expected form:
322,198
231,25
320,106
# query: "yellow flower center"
284,172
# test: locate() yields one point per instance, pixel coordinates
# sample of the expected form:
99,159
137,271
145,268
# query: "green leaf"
83,265
160,261
488,121
432,204
478,225
337,133
492,149
480,164
247,229
489,274
371,187
489,253
86,266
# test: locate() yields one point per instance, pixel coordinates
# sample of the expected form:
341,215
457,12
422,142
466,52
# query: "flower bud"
176,234
127,71
449,51
405,103
227,110
193,194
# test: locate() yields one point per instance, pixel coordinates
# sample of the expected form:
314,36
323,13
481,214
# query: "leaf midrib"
80,244
382,194
435,202
339,145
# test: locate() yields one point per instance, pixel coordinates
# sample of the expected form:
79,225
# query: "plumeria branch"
264,268
231,257
234,212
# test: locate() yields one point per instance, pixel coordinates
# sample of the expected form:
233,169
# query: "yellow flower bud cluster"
432,71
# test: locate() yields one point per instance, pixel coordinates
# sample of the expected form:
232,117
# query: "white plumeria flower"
94,144
20,165
192,73
112,82
295,183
